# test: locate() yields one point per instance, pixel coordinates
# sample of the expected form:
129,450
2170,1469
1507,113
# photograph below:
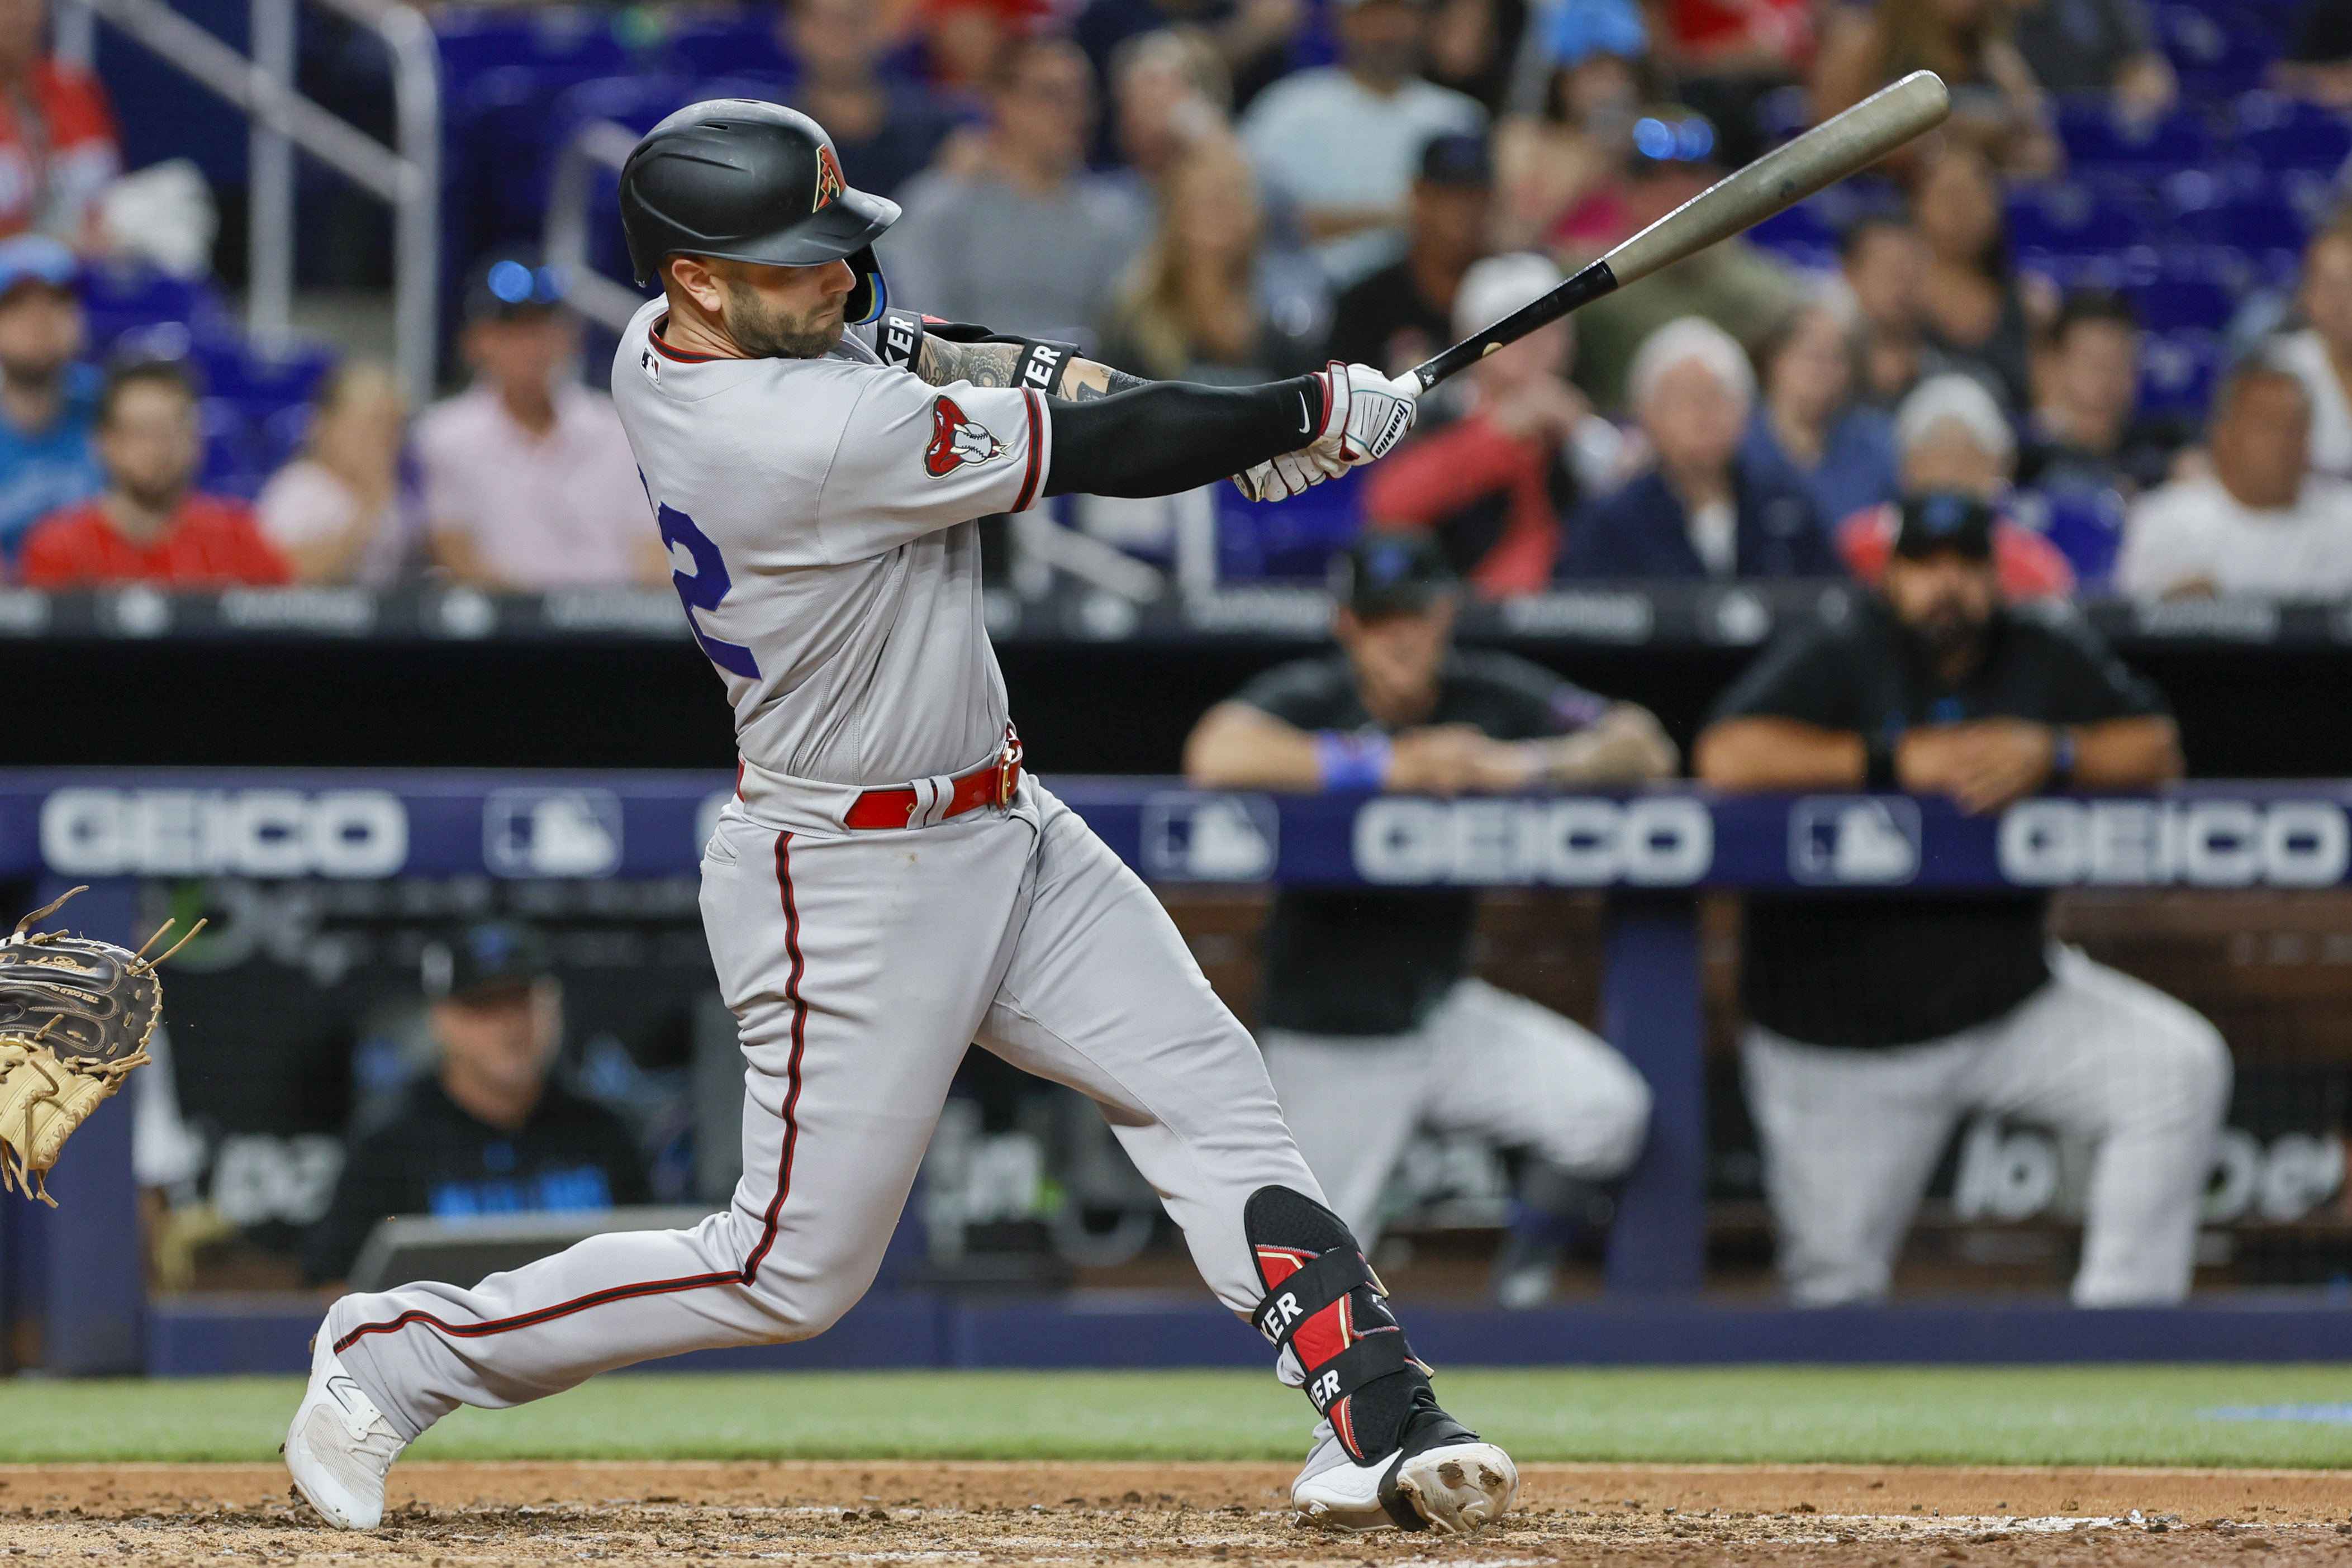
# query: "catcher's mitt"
75,1017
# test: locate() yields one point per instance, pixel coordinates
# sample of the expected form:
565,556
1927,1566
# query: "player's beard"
1949,626
765,333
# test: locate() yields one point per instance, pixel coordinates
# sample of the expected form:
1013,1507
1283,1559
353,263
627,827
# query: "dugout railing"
1651,856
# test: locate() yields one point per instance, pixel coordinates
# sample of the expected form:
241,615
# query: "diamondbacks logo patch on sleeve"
956,440
829,182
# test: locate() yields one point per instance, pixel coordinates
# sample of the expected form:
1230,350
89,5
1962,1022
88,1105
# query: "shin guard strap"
1375,1355
1309,1291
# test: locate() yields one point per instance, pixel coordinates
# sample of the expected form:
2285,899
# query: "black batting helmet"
740,180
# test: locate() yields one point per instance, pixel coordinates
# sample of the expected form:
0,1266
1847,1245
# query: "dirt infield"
550,1515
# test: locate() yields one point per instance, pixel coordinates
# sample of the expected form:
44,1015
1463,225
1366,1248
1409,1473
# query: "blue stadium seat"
2220,50
120,299
2168,304
2096,137
2287,134
729,46
2073,219
1293,539
501,69
2253,224
2176,372
1803,225
2086,525
583,41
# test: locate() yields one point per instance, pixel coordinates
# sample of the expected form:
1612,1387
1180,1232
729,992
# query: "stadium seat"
2253,224
2073,219
2176,372
1264,541
233,370
1801,226
2096,136
729,46
2220,50
2086,525
581,41
2285,134
122,299
2168,304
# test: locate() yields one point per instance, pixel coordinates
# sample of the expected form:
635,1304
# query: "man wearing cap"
489,1132
527,479
1400,315
48,399
1370,1020
1340,141
1875,1021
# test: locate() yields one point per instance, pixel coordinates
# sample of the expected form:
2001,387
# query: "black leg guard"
1324,1304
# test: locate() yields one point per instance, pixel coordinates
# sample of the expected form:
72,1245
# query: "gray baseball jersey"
827,510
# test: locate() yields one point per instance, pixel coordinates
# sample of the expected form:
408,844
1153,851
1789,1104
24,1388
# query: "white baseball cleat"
1452,1488
340,1445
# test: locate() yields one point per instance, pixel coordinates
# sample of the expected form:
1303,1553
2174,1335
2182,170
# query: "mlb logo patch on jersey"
650,363
956,440
829,182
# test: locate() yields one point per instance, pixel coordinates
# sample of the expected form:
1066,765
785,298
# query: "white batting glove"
1365,414
1279,479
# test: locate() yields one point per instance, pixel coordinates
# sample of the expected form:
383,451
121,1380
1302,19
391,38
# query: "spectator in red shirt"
58,146
147,526
1494,485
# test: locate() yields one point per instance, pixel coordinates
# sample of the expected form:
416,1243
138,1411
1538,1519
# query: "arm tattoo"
982,364
942,361
1115,381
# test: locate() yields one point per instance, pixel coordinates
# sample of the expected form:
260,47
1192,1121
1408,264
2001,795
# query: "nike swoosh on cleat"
337,1393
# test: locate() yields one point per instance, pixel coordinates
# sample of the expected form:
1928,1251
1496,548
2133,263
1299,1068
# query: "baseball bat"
1831,151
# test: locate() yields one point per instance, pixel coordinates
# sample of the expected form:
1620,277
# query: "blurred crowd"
1235,190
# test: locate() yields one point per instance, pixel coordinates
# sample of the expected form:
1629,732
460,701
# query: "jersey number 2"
703,589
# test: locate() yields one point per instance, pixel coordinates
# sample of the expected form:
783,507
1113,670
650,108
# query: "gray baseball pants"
1484,1062
1851,1137
859,966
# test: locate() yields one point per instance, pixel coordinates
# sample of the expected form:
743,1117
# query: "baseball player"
1873,1023
889,885
1372,1023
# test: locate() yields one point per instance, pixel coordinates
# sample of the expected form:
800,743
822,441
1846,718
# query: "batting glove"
1365,414
1279,479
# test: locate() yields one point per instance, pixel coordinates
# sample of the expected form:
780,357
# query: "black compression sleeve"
1169,436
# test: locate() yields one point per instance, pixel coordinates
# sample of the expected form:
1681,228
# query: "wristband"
1041,366
899,337
1351,762
2061,754
1878,762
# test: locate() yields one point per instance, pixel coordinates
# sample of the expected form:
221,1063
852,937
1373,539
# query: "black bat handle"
1581,290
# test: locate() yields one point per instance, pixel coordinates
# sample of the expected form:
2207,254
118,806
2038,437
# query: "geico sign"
1581,843
2205,842
236,832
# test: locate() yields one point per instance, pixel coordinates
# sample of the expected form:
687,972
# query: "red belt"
911,805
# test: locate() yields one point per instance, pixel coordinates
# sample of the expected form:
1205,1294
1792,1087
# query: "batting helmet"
739,180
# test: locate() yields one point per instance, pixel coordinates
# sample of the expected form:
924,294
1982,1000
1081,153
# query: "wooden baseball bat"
1831,151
